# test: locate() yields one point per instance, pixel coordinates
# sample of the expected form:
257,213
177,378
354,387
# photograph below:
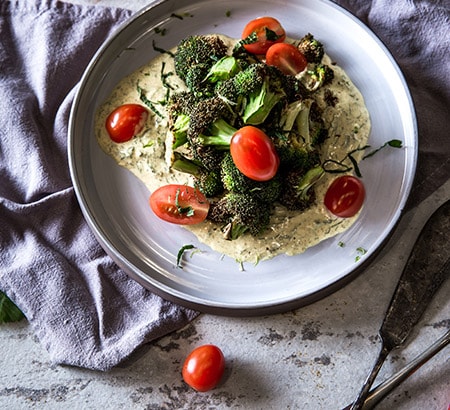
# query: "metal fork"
383,389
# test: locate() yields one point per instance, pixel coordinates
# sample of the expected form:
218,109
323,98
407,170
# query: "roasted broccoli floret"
207,181
235,181
254,92
195,81
303,124
180,107
239,214
311,48
179,128
317,77
194,57
218,134
298,192
209,125
208,119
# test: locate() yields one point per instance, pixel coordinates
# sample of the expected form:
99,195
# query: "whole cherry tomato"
204,367
345,196
268,30
287,58
254,153
179,204
126,121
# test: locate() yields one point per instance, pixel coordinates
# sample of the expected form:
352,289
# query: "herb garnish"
181,16
181,252
361,251
341,167
147,102
160,31
161,50
9,312
186,210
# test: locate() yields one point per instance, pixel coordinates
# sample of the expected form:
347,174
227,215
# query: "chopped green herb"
161,50
147,102
186,210
361,251
9,312
181,252
271,35
228,13
161,31
392,143
181,16
337,167
149,144
341,244
341,167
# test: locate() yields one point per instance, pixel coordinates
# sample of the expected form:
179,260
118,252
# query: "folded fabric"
417,34
83,308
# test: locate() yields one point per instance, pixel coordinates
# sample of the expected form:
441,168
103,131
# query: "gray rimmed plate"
115,203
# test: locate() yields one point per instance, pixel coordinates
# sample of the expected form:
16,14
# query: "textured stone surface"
313,358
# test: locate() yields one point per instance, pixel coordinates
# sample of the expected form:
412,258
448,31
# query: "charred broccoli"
239,214
226,92
207,181
311,48
194,57
297,193
254,92
234,180
317,77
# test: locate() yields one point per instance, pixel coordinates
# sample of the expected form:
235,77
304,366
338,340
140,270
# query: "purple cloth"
83,308
418,36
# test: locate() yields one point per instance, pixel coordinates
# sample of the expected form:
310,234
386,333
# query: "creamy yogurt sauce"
291,232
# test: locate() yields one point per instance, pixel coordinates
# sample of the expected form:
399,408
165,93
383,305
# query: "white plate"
115,205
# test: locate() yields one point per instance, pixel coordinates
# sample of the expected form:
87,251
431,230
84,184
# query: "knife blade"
427,267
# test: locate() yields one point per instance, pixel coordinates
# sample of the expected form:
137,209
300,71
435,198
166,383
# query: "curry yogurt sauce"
291,232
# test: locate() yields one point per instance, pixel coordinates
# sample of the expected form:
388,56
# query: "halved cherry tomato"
268,30
254,153
179,204
345,196
287,58
126,121
204,367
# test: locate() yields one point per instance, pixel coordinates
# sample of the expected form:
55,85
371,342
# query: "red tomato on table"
264,27
179,204
204,368
126,121
345,196
254,153
287,58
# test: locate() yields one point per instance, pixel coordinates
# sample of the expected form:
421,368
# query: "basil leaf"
9,312
181,252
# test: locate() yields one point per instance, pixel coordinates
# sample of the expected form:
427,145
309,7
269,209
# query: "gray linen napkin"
83,308
417,34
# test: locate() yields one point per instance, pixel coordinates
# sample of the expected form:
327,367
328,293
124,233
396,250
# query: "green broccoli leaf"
9,312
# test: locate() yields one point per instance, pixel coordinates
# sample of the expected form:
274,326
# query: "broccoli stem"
220,134
310,178
182,164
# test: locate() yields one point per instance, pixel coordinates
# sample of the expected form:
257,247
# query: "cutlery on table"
426,269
